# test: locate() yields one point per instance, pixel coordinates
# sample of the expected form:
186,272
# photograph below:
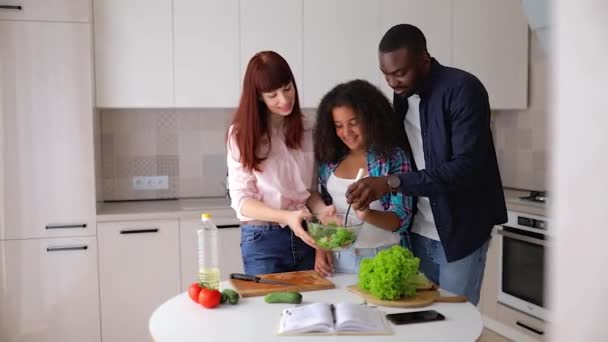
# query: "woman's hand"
363,214
324,262
294,220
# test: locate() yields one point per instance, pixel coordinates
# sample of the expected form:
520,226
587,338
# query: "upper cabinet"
46,10
340,44
189,53
432,17
133,53
490,40
272,25
47,123
206,52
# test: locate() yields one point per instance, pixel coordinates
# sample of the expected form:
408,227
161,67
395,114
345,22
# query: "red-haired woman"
271,169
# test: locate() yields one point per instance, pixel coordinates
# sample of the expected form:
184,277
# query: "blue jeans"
462,277
272,249
348,260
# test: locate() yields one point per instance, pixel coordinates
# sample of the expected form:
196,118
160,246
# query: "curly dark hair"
373,111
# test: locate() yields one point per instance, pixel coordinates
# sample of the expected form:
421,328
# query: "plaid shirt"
377,166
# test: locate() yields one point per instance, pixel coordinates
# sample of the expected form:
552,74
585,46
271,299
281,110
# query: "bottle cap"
205,216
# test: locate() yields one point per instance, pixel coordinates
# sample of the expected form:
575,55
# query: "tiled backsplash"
185,144
188,144
521,135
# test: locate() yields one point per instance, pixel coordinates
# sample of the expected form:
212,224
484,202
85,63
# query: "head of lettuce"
391,274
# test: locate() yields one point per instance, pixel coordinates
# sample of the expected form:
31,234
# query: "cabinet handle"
11,7
139,231
228,226
66,226
74,248
529,328
523,238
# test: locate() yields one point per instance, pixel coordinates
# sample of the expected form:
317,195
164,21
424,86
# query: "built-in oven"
523,243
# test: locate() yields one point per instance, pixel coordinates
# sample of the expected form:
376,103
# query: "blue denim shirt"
461,178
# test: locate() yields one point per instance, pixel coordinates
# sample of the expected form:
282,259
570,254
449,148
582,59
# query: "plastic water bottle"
208,263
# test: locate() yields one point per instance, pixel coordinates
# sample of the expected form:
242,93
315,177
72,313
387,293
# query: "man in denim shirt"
446,117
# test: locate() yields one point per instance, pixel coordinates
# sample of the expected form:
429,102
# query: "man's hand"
367,190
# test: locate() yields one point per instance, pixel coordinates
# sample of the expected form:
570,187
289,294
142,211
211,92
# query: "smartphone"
415,317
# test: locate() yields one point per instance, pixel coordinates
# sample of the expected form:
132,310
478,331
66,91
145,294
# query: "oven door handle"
522,238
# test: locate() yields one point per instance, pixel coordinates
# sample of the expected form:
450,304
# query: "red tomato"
209,298
194,291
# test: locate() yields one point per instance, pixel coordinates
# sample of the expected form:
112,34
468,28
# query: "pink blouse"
285,177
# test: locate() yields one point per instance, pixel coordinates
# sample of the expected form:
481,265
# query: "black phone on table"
415,317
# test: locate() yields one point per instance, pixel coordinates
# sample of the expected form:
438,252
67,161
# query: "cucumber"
231,296
284,297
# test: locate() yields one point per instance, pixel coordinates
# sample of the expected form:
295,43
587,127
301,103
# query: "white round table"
181,319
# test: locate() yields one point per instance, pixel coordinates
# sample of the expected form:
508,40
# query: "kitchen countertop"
192,208
514,203
164,209
180,319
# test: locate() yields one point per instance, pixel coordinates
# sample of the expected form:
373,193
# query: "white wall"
579,279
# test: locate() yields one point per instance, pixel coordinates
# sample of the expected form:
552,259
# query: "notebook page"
357,317
315,317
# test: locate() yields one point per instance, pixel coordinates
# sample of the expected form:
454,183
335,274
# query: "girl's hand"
363,214
294,220
324,262
327,214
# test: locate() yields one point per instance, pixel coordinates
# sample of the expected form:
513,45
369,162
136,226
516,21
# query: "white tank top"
424,222
370,236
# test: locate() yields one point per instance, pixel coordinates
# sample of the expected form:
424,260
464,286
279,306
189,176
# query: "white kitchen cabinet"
340,44
490,40
206,52
46,10
49,185
138,270
273,25
229,236
133,53
432,17
49,290
2,204
521,323
488,297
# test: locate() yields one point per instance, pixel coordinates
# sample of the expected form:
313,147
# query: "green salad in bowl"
335,233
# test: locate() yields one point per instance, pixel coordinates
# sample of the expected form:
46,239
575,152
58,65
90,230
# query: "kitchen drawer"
46,10
512,317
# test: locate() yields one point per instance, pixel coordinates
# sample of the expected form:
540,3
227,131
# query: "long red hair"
266,71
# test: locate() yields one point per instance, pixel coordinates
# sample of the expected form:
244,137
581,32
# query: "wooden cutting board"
302,281
421,299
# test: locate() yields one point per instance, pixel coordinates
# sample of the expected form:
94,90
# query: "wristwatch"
394,182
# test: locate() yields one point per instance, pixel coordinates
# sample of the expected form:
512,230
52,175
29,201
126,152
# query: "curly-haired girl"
354,129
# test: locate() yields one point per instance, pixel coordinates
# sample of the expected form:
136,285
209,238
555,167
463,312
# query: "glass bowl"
333,233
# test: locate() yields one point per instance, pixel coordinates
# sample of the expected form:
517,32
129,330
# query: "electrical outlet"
151,182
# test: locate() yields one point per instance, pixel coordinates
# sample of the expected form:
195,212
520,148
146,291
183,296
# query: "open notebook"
329,319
